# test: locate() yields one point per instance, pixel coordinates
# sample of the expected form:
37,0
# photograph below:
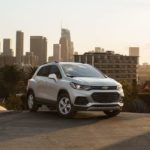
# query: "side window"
55,70
44,71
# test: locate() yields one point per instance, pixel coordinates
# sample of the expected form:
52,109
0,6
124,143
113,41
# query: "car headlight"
119,87
79,86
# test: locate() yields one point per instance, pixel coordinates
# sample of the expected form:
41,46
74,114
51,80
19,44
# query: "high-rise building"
7,51
51,59
19,46
64,49
71,52
67,48
119,67
30,59
57,52
38,45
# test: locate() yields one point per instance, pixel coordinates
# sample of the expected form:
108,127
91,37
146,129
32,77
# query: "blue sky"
112,24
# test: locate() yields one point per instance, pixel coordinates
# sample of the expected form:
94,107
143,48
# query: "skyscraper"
57,52
38,45
19,46
7,51
64,49
66,45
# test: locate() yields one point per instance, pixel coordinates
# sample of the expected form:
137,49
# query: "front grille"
103,87
105,97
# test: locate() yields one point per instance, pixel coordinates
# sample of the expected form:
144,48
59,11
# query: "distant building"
51,59
57,52
64,49
134,51
116,66
99,50
7,51
71,52
30,59
67,48
75,53
143,72
38,45
19,46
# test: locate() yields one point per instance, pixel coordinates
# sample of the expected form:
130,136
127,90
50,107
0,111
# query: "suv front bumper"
100,106
86,101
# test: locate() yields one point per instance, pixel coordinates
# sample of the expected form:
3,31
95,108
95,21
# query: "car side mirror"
52,76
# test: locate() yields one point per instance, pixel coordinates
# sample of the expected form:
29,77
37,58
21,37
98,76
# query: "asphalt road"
87,131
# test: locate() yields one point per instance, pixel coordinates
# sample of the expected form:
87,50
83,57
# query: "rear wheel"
32,105
64,106
112,113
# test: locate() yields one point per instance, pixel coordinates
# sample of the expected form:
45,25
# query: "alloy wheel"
64,105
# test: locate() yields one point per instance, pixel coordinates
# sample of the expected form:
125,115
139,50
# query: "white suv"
70,87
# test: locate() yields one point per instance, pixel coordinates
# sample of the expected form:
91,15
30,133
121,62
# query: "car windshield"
81,70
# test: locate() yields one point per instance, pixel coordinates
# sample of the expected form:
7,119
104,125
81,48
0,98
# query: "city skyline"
112,24
36,47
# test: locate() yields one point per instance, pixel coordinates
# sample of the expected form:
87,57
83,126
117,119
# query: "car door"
40,78
52,86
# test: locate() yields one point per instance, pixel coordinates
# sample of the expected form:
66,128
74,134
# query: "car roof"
55,63
62,63
73,63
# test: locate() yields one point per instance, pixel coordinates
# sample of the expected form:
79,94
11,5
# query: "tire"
31,103
112,113
64,106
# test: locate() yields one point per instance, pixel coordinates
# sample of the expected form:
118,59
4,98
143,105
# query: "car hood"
95,81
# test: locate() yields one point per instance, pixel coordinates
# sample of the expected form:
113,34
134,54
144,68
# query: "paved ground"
88,131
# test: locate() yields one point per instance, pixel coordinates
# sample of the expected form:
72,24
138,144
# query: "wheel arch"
30,91
61,91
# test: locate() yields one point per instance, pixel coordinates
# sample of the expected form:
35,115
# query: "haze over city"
111,24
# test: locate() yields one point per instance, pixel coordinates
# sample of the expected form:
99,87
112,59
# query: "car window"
55,70
44,71
47,70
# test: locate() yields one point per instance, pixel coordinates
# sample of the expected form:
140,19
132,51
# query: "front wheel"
64,106
112,113
32,105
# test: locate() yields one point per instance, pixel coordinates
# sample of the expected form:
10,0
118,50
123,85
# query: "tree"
9,79
130,90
